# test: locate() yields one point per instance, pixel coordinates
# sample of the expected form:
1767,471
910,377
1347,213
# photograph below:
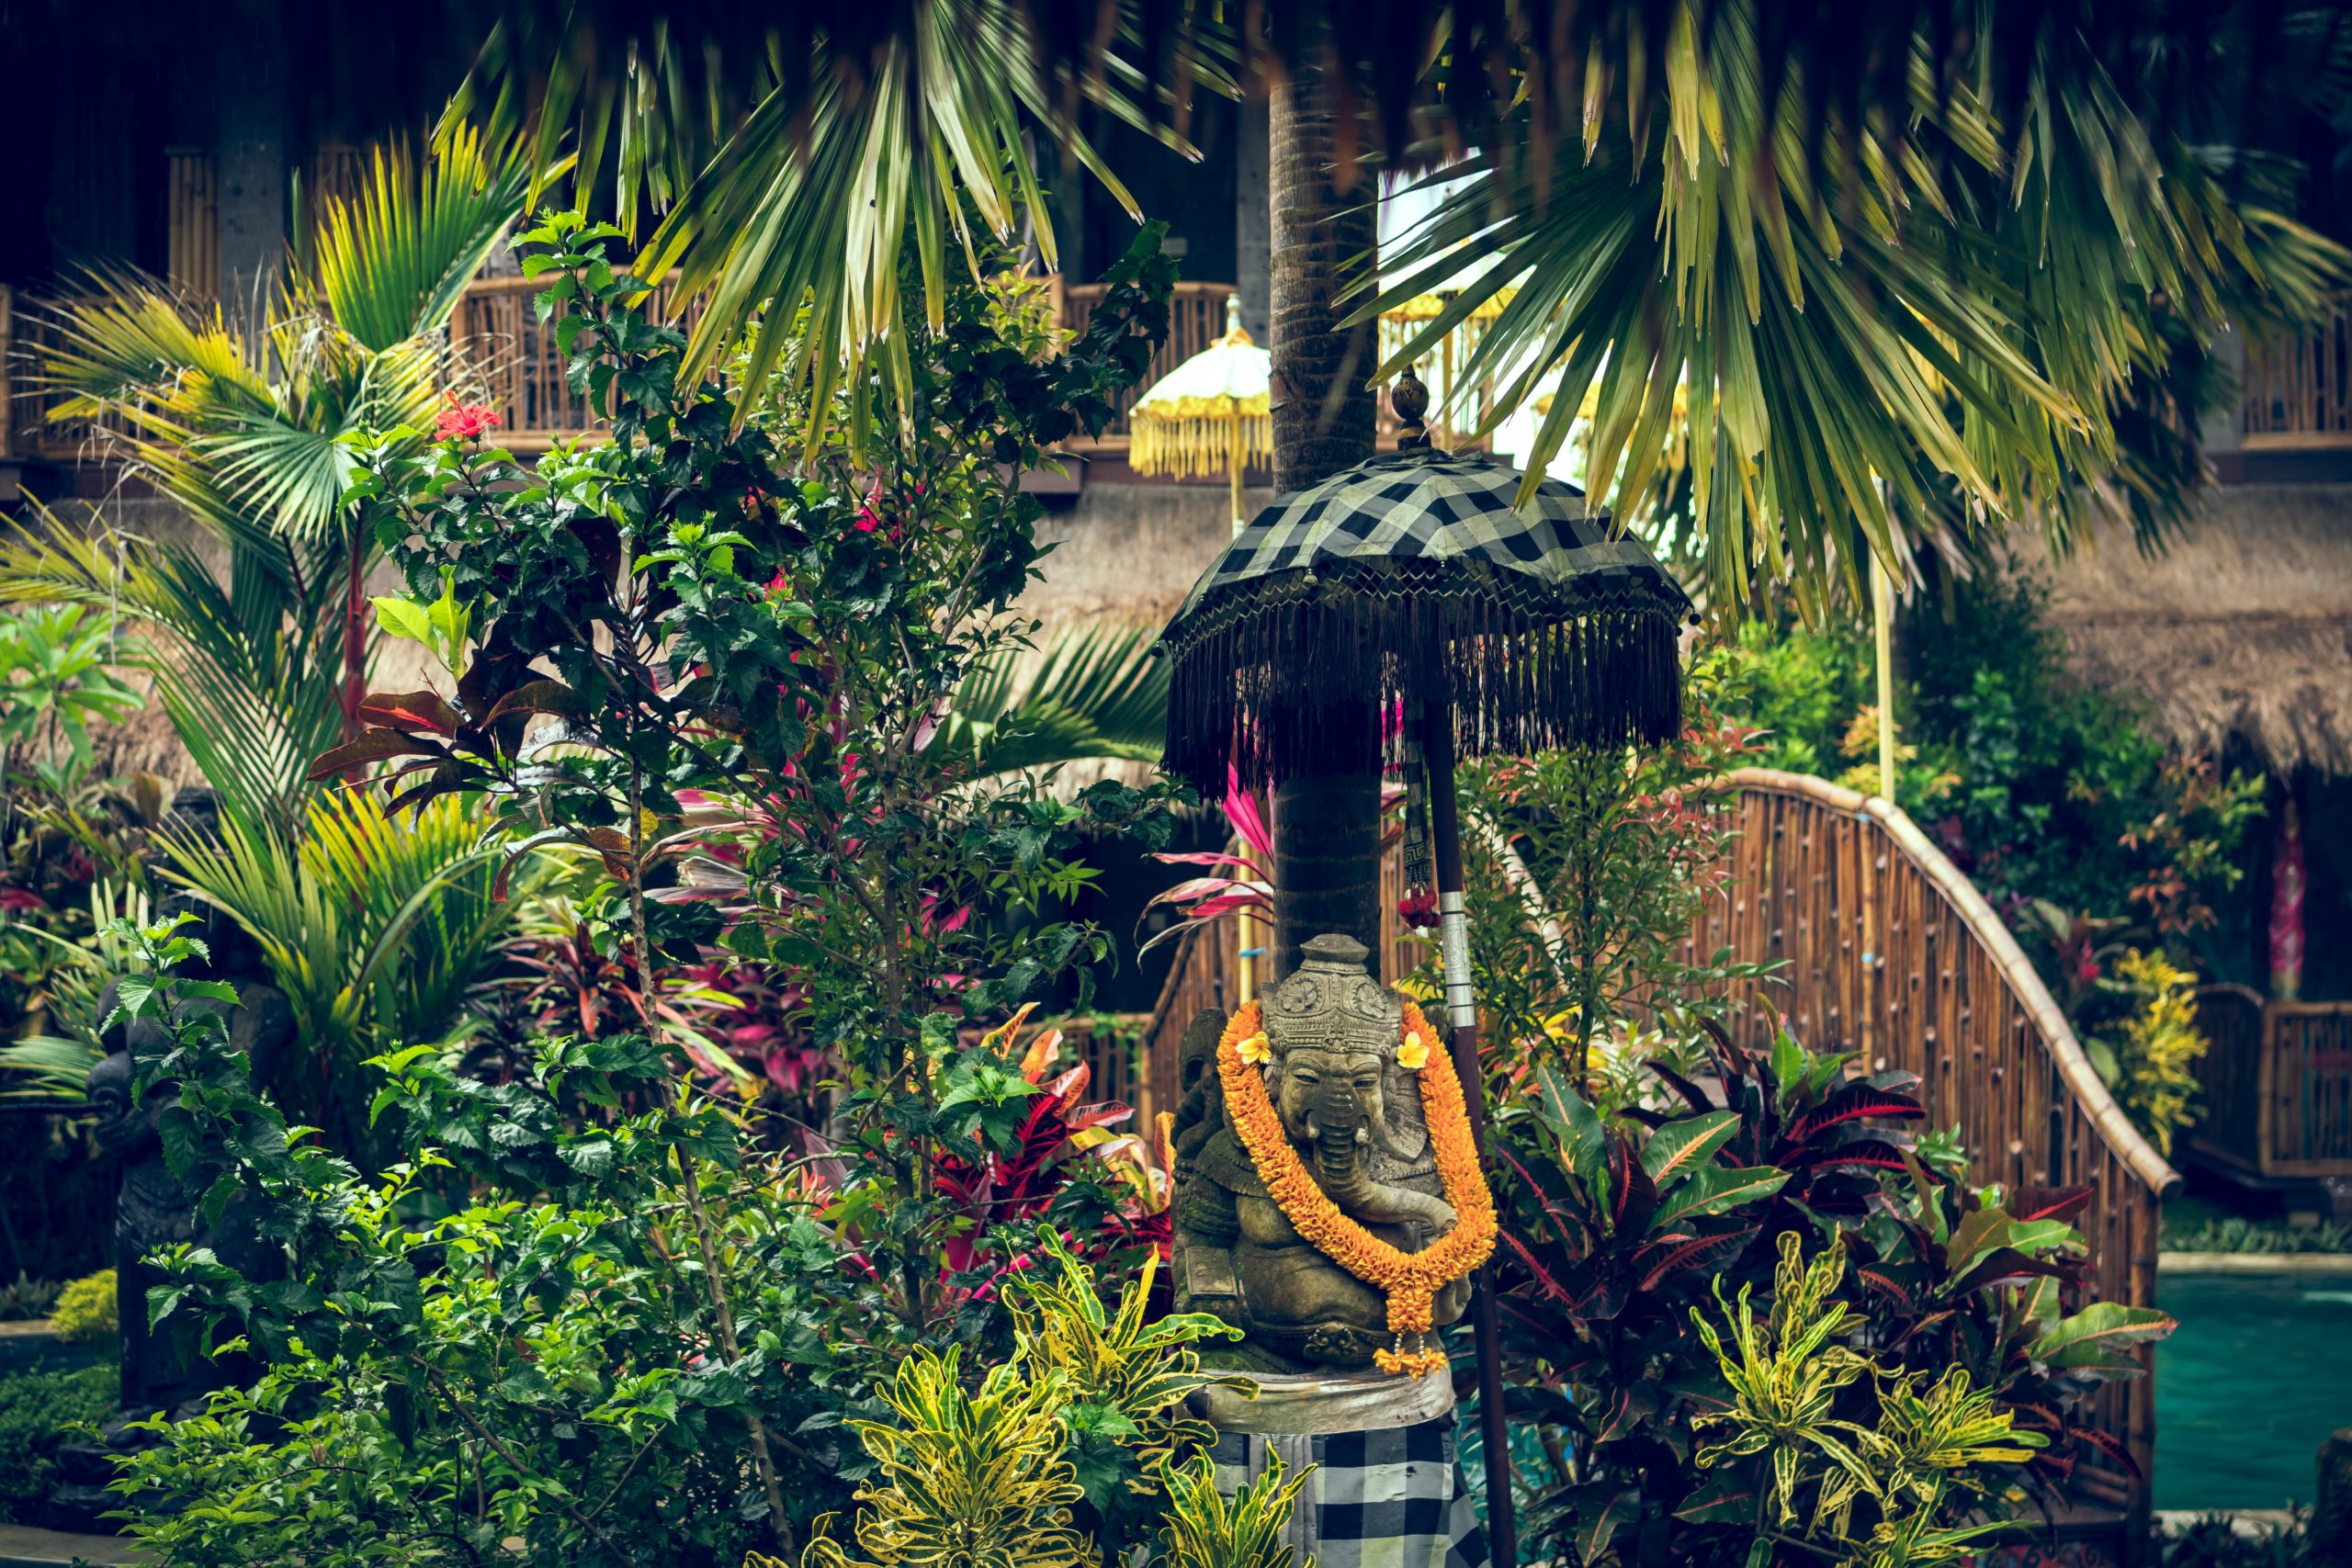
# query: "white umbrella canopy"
1212,413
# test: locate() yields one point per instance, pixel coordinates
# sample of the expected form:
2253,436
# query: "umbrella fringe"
1319,684
1196,445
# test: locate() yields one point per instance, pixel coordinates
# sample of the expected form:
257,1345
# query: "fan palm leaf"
247,427
391,265
1096,693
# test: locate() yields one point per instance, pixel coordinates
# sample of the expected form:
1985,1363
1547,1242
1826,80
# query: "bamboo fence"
2277,1083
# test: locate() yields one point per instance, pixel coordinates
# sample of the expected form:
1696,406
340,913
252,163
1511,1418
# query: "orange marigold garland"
1411,1280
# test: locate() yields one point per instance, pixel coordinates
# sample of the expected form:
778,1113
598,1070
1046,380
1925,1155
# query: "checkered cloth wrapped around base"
1386,1500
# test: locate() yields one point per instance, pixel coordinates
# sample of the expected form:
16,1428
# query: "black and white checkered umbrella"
1410,579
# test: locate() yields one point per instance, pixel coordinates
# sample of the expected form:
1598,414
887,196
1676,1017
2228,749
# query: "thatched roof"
2241,631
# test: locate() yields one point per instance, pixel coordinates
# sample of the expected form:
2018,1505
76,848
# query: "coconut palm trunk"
1327,829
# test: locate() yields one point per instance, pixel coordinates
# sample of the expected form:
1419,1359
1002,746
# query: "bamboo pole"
1461,1014
1241,460
1883,613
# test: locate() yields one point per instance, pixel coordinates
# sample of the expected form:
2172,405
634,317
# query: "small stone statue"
151,1209
1353,1114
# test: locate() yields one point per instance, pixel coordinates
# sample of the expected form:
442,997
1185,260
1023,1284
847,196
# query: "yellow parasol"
1401,322
1212,412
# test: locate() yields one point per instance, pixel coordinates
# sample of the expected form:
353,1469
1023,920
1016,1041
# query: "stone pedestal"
1386,1491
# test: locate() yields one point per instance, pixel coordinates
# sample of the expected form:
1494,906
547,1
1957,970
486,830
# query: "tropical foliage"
2151,1061
379,935
245,425
686,1329
1875,329
1091,693
56,679
1584,873
1622,1230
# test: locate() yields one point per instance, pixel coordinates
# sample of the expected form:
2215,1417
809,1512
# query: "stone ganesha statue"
1352,1114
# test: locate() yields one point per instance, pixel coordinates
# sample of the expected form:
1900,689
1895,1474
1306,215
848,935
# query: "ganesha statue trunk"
1281,1201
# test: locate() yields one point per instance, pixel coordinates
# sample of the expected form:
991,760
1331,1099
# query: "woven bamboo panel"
192,253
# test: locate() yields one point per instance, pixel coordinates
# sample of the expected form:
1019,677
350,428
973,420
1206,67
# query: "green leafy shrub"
978,1476
1620,1224
38,1410
1585,870
2237,1234
2149,1058
85,1310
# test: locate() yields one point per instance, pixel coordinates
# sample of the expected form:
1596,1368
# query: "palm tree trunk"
1326,830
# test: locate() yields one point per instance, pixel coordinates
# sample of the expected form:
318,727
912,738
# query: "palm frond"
1892,331
391,265
1096,693
806,182
52,1067
375,929
245,671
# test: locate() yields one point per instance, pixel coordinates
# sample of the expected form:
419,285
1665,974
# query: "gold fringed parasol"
1211,414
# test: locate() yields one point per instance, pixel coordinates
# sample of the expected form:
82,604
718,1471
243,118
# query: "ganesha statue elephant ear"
1336,1213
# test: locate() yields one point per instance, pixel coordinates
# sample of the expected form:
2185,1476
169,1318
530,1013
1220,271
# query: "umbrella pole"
1454,941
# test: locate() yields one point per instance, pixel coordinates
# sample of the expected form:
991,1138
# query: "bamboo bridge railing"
1885,949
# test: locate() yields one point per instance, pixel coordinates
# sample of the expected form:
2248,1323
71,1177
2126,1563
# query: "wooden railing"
497,337
2277,1085
1195,321
2298,391
1885,949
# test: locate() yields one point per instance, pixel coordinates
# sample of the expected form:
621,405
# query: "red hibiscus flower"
464,421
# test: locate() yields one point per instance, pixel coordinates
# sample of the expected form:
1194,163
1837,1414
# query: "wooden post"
1241,460
1462,1015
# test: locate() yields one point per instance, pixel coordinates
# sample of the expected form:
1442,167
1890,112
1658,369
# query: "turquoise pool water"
2258,1372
